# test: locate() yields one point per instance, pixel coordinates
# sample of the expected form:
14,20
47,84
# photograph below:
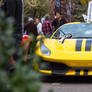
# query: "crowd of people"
44,26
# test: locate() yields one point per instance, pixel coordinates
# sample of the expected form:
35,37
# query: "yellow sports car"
68,51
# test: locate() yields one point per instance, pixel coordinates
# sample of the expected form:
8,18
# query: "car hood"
69,45
55,44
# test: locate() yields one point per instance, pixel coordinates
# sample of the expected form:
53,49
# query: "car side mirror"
65,37
68,35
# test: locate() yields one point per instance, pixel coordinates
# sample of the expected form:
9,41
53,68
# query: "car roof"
74,23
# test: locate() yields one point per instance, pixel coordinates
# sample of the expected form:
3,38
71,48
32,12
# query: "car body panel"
67,54
69,73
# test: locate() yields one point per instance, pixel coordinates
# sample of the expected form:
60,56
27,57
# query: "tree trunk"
35,10
52,8
63,9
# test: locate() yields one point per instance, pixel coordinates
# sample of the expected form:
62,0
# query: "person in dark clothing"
30,27
58,21
14,8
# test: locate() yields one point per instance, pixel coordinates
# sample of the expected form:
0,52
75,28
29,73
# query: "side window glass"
58,34
61,34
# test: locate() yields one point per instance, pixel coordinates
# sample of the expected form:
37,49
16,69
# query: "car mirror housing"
67,36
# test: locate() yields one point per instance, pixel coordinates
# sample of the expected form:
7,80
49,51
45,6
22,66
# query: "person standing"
58,21
39,26
47,27
15,9
31,28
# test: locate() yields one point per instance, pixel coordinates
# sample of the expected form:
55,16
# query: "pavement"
67,84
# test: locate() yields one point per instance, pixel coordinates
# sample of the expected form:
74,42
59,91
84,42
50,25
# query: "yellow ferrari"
68,51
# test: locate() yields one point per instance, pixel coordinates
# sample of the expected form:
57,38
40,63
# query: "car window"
58,34
77,30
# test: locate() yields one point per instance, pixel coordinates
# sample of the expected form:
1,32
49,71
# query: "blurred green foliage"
79,8
23,78
36,8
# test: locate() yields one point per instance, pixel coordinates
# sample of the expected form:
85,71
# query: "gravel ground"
67,84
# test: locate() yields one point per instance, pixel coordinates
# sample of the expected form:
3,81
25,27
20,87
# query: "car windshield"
77,30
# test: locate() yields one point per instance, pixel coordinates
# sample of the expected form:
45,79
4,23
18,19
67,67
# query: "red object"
25,38
25,45
26,41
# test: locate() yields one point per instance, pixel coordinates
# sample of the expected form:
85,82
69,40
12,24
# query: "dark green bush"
23,78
